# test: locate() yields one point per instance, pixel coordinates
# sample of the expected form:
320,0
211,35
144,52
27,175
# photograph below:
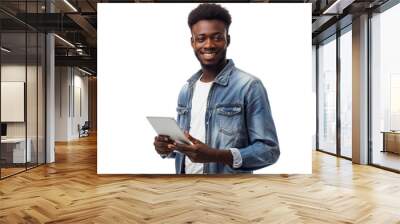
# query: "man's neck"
209,74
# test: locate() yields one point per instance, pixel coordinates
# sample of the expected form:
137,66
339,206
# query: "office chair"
84,130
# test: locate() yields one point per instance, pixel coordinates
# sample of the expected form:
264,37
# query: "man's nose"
209,43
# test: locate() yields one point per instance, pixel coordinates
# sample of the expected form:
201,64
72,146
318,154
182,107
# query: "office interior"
47,81
48,125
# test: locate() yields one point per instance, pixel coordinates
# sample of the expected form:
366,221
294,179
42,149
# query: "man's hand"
201,153
161,143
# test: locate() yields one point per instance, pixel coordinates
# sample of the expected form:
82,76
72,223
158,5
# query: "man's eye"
201,39
218,37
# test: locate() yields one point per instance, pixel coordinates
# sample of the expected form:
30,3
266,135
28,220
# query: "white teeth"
209,54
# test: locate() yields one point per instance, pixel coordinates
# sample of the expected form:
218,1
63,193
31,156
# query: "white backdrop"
145,57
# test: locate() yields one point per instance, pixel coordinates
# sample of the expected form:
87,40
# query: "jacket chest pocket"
182,117
229,118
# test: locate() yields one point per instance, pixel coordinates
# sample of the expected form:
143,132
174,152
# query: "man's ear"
228,39
192,41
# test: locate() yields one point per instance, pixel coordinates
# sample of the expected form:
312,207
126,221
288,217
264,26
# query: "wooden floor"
70,191
5,172
8,171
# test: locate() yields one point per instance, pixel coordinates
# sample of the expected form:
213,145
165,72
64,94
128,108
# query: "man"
223,110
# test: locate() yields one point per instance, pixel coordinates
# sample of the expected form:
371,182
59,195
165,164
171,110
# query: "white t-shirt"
197,121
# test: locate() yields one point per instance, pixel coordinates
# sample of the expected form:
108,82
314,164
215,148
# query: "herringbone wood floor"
70,191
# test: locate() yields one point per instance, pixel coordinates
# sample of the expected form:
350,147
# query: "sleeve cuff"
237,158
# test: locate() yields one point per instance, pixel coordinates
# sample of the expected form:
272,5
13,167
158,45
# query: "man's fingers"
161,146
161,151
187,134
164,138
183,147
193,140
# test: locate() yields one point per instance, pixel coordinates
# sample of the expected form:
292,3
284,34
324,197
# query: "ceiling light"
70,5
84,71
338,6
64,40
5,50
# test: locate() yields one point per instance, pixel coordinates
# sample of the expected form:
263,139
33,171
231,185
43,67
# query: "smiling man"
223,110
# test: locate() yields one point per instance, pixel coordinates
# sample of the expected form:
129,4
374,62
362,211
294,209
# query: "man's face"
210,41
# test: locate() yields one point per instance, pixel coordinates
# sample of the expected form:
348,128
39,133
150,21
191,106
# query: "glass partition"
346,93
327,96
385,89
22,77
13,105
34,52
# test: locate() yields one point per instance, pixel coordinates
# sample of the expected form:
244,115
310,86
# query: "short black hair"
209,11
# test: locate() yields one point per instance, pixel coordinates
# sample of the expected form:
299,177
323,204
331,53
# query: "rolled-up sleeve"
263,149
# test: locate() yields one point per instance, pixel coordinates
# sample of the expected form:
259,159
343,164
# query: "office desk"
13,150
391,141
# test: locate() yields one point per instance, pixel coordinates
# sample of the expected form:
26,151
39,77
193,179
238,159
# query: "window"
346,93
327,96
385,89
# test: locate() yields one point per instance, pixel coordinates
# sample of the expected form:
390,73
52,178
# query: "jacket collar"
221,79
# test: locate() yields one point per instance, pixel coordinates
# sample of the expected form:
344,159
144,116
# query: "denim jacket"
238,115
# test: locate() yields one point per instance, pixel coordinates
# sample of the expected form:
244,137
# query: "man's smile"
209,55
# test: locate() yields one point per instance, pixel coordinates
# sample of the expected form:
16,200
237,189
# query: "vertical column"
360,90
338,98
50,92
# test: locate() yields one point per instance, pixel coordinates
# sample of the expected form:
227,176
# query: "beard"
213,66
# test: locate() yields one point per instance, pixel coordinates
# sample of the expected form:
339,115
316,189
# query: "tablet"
168,126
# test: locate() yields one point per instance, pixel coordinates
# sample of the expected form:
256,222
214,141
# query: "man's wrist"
224,156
